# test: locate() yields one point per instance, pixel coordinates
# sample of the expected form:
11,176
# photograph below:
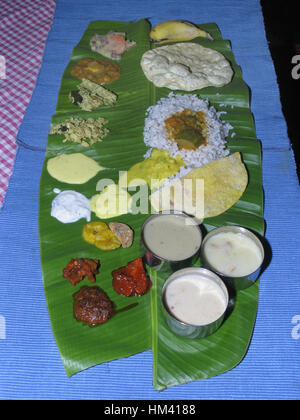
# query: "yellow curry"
159,166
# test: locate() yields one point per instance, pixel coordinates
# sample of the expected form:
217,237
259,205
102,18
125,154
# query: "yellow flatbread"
209,190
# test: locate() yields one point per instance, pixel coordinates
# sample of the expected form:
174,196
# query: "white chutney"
70,206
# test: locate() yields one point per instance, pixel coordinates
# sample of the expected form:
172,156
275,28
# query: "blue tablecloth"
30,363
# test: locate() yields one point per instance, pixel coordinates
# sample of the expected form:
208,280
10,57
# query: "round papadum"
225,181
186,66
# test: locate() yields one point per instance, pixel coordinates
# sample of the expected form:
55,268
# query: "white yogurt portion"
172,237
195,299
232,254
70,206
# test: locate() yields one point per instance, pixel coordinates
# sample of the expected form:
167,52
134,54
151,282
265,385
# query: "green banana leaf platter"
139,324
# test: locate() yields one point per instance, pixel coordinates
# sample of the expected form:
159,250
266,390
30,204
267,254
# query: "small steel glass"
187,330
161,264
235,283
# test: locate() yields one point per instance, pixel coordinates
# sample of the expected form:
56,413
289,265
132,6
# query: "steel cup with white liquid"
170,241
194,301
235,254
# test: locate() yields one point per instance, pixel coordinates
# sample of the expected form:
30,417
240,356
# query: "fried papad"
225,181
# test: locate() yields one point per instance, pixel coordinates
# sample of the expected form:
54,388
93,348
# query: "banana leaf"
141,325
178,360
128,332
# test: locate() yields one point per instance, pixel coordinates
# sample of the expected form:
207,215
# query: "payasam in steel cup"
170,241
235,254
194,301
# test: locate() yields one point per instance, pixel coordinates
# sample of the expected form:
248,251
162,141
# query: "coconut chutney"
70,206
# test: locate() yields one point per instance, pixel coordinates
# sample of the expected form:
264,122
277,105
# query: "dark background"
282,24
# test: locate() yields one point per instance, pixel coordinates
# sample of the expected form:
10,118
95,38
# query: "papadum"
186,66
220,185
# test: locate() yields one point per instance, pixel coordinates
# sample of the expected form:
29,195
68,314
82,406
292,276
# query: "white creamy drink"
232,254
172,237
195,299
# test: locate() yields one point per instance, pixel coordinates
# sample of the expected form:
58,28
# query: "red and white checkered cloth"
24,28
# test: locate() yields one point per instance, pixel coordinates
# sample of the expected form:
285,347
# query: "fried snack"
186,66
99,71
225,181
99,234
132,279
80,268
92,306
123,232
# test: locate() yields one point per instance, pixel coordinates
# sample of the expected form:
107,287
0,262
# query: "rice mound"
155,133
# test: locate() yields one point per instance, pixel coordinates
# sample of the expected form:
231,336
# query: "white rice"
155,133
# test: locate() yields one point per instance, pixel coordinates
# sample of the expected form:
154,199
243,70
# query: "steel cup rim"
199,270
235,228
171,212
